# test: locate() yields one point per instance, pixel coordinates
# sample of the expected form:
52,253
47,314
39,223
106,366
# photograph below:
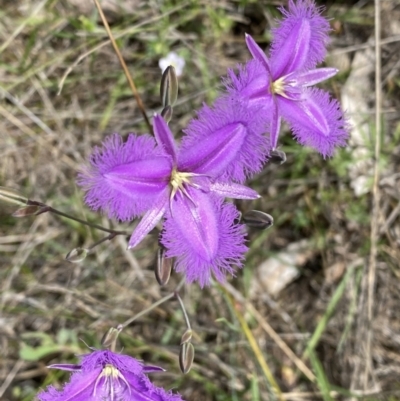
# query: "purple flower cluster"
186,184
105,375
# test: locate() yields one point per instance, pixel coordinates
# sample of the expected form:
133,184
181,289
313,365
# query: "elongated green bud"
77,255
167,113
31,210
257,219
110,338
186,336
164,267
186,357
169,87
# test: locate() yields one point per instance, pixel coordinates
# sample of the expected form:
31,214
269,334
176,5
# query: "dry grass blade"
10,377
254,346
28,131
272,333
21,27
376,194
124,67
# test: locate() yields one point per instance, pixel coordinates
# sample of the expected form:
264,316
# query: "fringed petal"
247,155
252,82
292,53
301,16
215,152
316,121
204,238
123,179
80,388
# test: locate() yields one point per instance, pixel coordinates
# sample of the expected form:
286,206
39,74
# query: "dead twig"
124,67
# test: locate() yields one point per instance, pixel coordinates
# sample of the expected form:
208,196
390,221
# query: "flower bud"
109,339
277,156
167,113
257,219
77,255
186,356
169,87
164,267
31,210
11,196
186,336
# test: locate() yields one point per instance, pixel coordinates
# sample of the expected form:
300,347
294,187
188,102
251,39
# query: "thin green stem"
109,237
149,309
185,315
153,306
47,208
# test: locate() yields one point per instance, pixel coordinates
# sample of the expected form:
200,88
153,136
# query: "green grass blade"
328,313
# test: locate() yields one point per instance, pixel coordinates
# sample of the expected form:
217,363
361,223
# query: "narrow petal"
152,369
149,220
164,136
226,141
257,52
205,239
311,77
275,126
302,16
234,191
65,366
292,53
123,179
316,121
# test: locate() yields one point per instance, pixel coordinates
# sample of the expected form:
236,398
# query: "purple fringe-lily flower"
282,81
105,375
183,185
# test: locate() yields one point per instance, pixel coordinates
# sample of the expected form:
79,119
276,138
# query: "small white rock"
275,273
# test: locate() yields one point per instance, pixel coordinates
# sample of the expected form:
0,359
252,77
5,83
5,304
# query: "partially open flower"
105,375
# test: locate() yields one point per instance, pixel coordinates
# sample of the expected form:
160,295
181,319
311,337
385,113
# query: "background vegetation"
50,309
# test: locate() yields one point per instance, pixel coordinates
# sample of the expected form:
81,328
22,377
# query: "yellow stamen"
278,87
110,370
110,373
178,181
